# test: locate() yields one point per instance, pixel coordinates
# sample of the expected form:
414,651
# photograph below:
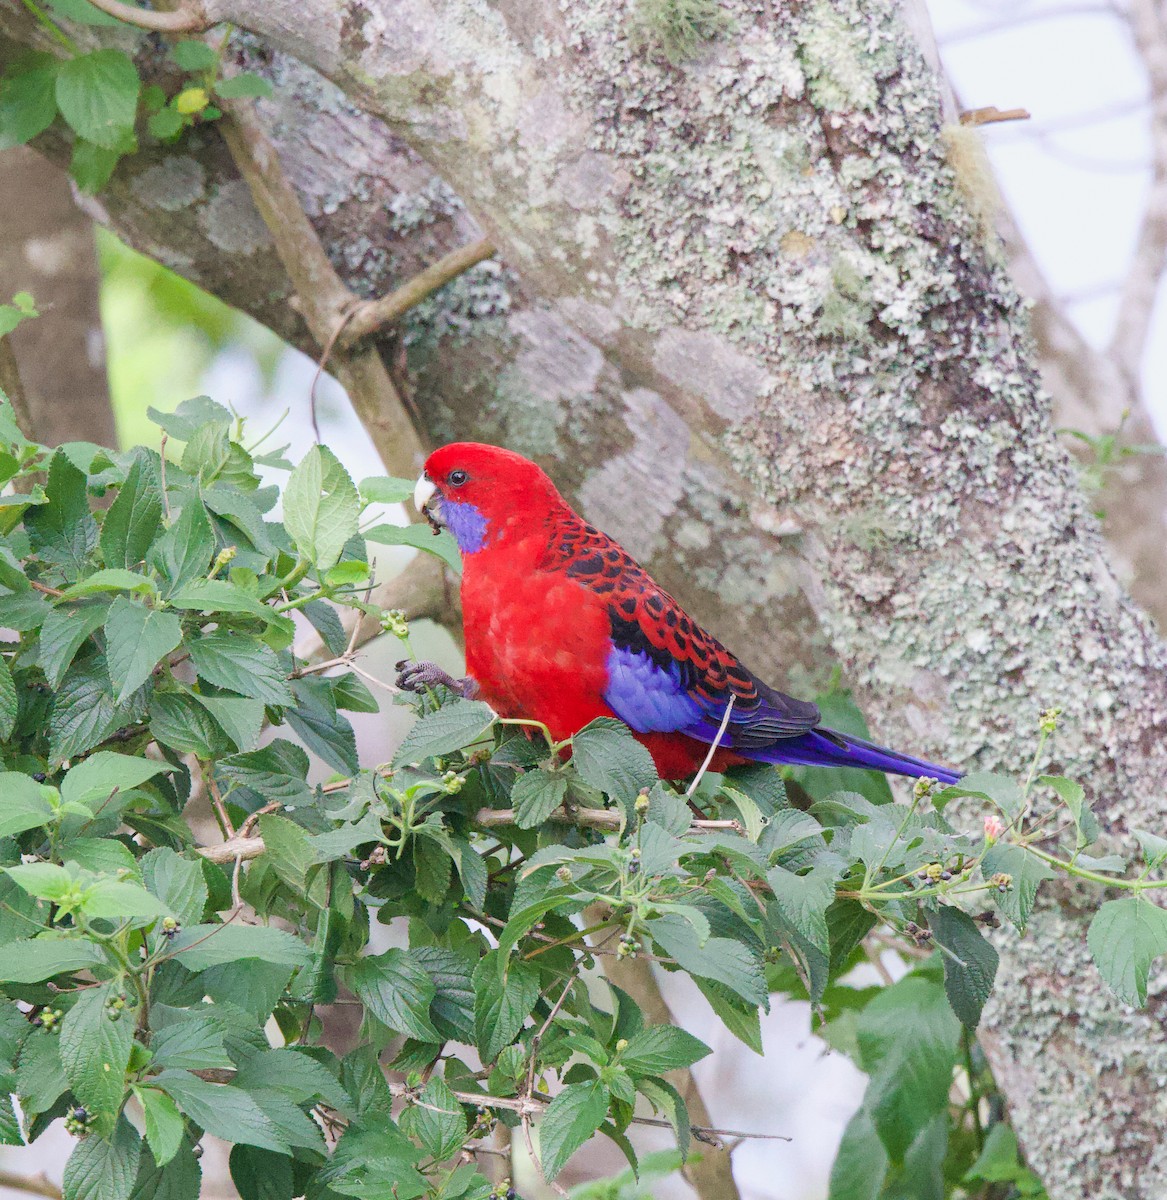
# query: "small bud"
1048,721
642,802
1001,881
563,874
452,782
394,622
621,1045
933,872
170,927
923,787
994,827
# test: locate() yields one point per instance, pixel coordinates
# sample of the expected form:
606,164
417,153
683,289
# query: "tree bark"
775,256
47,249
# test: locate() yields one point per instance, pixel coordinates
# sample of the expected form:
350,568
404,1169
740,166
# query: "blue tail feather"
827,748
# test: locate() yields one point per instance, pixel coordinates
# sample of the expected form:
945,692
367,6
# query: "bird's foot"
417,676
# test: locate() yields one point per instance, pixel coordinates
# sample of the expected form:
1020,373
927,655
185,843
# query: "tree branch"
374,315
13,387
36,1185
191,17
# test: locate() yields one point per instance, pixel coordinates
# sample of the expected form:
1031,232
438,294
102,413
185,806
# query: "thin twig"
712,749
187,18
374,315
37,1185
992,114
219,807
13,387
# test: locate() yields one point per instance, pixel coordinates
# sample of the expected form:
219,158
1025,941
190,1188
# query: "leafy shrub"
150,605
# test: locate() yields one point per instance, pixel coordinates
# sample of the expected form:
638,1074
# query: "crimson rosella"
563,626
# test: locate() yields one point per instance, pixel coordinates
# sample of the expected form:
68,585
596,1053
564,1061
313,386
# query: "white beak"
423,492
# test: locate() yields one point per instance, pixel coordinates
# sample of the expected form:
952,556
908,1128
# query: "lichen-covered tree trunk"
771,250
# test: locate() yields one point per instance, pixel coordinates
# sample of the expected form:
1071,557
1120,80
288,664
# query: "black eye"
457,478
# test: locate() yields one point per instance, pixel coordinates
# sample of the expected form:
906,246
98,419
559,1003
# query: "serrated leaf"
321,507
608,757
111,579
62,634
29,960
101,1170
183,553
536,795
420,537
571,1118
25,804
137,638
1073,796
970,964
28,101
200,946
245,85
97,94
386,489
661,1048
186,726
1002,790
1154,848
261,1174
223,1111
665,1099
240,663
132,520
84,711
452,727
861,1164
95,1052
502,1003
240,718
289,847
193,1044
93,781
8,702
438,1122
722,959
1125,937
179,1179
1027,873
803,901
178,882
397,990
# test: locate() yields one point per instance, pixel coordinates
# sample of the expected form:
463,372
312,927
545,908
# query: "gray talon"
416,677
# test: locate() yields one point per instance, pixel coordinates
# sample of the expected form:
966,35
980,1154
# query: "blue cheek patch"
466,523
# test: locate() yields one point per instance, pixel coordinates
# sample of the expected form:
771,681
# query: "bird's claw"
417,676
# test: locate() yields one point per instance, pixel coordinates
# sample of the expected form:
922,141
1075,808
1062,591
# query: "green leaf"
8,702
289,849
101,1170
186,726
178,882
95,780
200,946
194,56
193,1043
908,1039
397,990
501,1004
861,1164
137,638
297,1073
97,94
321,508
44,880
131,524
420,537
661,1048
95,1052
83,12
1154,848
608,757
261,1175
218,595
29,960
386,489
115,899
1073,796
1001,790
92,166
240,663
970,966
665,1099
245,85
183,553
536,795
239,718
25,804
223,1111
114,579
28,101
63,531
571,1118
803,901
719,958
438,1122
84,711
62,633
1125,937
179,1179
452,727
1027,872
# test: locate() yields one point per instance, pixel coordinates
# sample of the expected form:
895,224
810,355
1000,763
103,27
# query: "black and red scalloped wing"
665,672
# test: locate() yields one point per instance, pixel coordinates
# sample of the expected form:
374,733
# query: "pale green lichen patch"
231,222
678,29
